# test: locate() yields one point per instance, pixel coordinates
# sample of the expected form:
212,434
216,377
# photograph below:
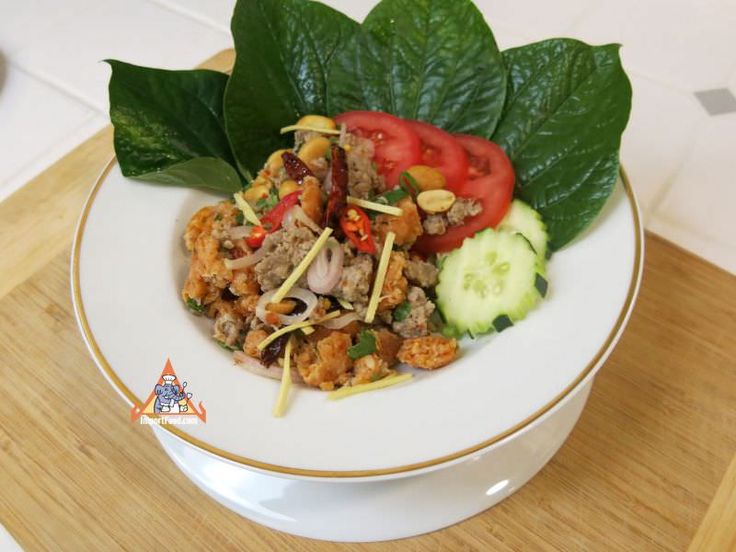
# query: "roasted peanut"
314,149
287,187
275,161
427,178
436,201
317,121
255,192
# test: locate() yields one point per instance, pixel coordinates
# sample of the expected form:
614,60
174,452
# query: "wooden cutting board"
650,466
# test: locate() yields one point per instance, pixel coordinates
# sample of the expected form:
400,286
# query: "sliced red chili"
257,235
295,167
275,216
339,192
357,228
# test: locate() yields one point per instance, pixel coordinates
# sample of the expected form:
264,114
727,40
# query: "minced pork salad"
325,269
401,221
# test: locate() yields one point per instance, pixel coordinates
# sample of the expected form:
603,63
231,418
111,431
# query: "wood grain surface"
648,459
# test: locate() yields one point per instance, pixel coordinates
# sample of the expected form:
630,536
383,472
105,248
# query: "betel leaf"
433,60
164,119
208,173
284,49
566,107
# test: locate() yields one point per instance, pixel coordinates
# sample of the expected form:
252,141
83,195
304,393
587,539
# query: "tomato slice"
397,146
441,151
490,181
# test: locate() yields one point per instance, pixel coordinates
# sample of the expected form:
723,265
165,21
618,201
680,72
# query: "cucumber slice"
489,283
523,219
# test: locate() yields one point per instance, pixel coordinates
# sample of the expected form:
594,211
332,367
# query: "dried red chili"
339,192
357,228
295,167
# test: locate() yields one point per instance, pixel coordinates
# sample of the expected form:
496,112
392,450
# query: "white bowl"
128,265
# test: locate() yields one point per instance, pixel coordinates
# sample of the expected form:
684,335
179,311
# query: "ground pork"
319,167
435,225
407,227
462,209
284,249
428,352
325,364
356,278
363,178
421,273
416,323
228,324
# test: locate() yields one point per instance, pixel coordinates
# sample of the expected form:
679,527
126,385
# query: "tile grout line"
58,86
661,195
178,10
80,138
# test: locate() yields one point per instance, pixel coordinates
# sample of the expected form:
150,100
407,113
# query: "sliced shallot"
295,214
246,261
326,270
341,322
304,295
239,232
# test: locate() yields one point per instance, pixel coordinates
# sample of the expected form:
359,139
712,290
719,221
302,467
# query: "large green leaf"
566,107
208,173
433,60
165,118
284,49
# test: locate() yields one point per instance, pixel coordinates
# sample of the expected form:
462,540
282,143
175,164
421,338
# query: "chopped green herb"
218,216
328,153
267,203
228,347
240,218
409,184
366,345
195,306
402,311
392,197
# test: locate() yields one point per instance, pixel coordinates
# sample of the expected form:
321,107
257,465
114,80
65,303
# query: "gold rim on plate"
117,382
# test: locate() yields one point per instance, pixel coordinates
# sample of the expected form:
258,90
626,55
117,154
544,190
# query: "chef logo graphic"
168,403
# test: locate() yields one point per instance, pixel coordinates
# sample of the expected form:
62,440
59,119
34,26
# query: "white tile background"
681,160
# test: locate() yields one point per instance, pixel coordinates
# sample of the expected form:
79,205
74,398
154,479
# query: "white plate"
128,267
